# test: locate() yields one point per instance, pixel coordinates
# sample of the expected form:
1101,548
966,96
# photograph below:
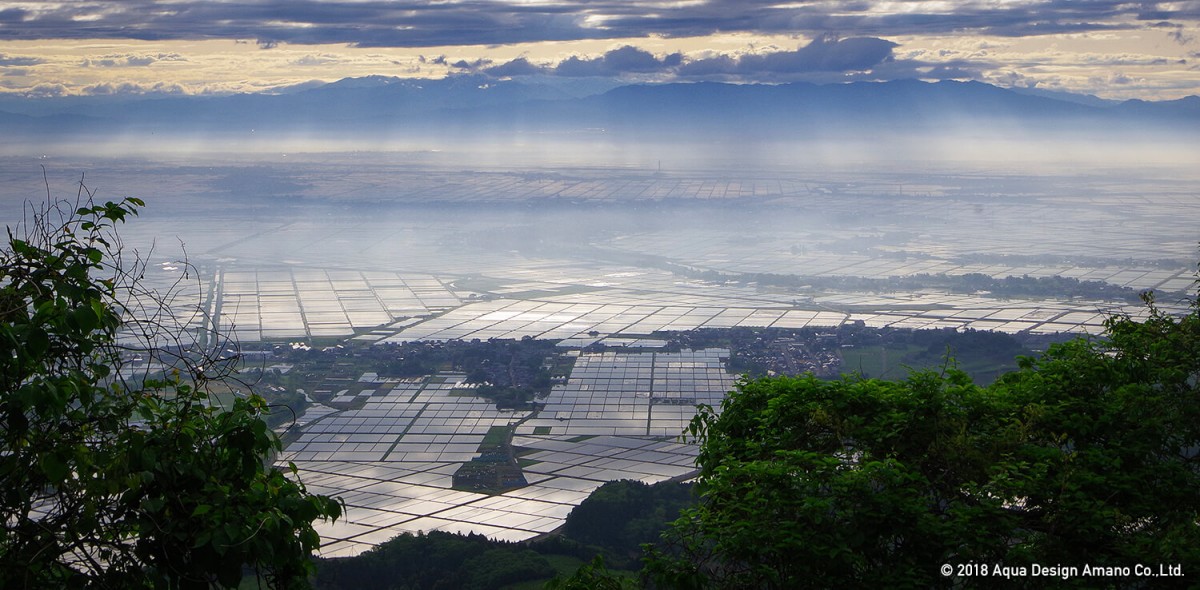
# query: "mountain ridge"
460,104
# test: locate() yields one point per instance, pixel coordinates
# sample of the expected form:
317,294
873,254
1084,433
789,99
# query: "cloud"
712,67
516,67
614,63
474,65
1176,32
825,59
426,23
1179,37
623,60
823,54
13,15
1119,78
18,61
47,90
315,60
121,61
111,88
917,69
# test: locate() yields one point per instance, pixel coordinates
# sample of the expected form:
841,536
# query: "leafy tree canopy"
107,481
621,516
1088,455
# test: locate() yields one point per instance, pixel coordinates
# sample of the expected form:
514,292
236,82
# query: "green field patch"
496,470
496,436
982,355
880,362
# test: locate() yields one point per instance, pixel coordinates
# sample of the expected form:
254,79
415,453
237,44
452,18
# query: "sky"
1112,49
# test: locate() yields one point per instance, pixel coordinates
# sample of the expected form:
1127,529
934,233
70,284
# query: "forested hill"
613,522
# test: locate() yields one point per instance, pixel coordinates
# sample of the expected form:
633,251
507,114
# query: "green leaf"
54,468
37,342
202,539
154,505
85,318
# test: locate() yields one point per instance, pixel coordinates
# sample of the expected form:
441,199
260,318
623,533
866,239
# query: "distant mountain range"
467,105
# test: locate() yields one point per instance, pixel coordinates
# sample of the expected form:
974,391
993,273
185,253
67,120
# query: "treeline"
1063,260
613,522
502,363
984,355
967,345
761,351
511,373
1010,286
283,406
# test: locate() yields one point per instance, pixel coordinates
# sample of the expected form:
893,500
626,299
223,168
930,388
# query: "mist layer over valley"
554,216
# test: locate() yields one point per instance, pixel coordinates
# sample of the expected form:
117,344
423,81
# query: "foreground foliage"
114,482
1088,455
607,529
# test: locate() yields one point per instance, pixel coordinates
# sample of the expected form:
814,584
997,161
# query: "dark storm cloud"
270,22
824,59
623,60
12,15
823,54
416,23
827,59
